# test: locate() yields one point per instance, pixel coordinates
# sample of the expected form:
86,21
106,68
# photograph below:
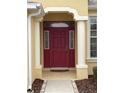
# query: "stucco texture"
91,64
80,5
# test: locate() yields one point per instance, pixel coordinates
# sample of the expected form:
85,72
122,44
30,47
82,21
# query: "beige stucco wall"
80,5
92,12
81,73
91,64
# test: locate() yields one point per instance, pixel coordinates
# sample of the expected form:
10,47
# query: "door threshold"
59,68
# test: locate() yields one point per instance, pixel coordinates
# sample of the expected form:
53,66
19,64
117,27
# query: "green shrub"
95,72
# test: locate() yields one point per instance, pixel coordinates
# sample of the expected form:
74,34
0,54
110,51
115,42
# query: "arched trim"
66,9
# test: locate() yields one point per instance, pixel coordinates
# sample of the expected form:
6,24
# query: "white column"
37,44
29,54
81,44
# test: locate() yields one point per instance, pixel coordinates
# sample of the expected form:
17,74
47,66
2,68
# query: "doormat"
61,70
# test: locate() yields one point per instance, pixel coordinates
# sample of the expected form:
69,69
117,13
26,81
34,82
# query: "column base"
37,72
82,71
82,66
38,66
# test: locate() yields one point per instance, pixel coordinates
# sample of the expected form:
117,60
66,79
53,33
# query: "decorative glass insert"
71,39
93,36
46,39
59,25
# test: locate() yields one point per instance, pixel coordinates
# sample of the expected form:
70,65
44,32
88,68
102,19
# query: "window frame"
90,36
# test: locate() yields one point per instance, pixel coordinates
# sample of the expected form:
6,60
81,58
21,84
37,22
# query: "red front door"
59,44
59,48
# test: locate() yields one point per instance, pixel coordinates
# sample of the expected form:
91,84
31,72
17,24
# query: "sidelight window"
71,39
46,39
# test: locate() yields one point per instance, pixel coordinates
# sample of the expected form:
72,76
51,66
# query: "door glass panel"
71,39
46,39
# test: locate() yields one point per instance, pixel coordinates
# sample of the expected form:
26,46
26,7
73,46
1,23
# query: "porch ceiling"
64,16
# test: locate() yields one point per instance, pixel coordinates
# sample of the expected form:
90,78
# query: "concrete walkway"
59,86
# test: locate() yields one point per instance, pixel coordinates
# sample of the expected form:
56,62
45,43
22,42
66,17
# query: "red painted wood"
59,48
59,54
72,58
46,58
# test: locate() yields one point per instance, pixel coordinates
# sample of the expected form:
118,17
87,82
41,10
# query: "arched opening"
59,42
